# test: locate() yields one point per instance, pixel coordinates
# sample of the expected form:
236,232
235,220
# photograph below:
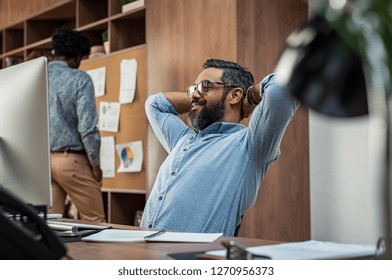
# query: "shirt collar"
221,128
59,62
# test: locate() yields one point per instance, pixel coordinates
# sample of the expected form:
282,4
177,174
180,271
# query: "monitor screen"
24,132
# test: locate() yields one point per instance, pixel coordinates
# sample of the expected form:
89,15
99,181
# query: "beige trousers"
72,175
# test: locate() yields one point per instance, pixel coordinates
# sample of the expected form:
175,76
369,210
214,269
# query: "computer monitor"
24,132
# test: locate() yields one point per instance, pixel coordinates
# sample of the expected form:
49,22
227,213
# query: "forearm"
255,93
180,101
164,119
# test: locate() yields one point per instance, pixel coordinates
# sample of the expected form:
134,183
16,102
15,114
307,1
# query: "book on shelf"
132,6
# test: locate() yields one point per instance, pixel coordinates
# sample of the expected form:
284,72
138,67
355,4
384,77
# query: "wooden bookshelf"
92,17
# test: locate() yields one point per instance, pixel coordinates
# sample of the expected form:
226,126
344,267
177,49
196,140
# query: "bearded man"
215,167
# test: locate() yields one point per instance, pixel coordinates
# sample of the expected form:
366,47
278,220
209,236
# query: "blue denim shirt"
72,111
211,178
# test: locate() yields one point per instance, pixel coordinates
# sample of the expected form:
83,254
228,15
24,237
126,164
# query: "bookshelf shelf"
91,17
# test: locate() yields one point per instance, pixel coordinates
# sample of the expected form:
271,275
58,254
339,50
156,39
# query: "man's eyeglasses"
204,86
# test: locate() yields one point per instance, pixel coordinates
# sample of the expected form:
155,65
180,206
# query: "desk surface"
161,250
146,250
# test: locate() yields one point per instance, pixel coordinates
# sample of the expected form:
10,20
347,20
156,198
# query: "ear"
235,96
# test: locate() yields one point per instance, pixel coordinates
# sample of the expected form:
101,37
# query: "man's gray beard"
206,116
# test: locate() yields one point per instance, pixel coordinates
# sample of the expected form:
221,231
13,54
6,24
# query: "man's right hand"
97,173
251,100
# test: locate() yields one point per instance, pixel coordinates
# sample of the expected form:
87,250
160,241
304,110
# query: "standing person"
74,137
214,169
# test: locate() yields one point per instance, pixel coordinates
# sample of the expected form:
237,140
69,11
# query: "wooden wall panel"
282,209
181,35
12,11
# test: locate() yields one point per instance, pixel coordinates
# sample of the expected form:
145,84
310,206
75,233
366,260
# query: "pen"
148,237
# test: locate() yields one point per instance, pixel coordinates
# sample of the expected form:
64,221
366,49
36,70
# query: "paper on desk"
119,235
308,250
187,237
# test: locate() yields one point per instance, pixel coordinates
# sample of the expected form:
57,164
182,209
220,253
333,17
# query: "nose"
195,95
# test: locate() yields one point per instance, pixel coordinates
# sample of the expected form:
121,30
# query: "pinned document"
109,116
131,156
128,68
107,157
98,76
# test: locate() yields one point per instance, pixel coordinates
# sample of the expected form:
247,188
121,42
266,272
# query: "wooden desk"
157,250
146,250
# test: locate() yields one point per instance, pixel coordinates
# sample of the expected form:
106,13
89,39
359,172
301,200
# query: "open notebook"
119,235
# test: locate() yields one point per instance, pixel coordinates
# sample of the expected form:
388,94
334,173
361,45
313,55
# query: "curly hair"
233,73
70,43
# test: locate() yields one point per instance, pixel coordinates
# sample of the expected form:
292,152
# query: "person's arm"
163,111
179,100
266,129
253,97
270,118
97,173
87,123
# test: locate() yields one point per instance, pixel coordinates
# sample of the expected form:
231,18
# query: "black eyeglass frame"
204,86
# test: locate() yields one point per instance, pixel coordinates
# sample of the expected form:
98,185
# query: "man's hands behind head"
251,100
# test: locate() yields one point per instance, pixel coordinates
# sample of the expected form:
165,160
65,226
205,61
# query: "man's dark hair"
70,43
233,73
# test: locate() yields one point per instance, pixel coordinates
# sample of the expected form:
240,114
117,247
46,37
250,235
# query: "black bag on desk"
27,236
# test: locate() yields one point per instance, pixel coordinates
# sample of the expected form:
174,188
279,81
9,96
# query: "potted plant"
123,2
105,40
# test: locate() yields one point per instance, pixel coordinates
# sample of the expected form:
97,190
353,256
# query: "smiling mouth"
197,104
